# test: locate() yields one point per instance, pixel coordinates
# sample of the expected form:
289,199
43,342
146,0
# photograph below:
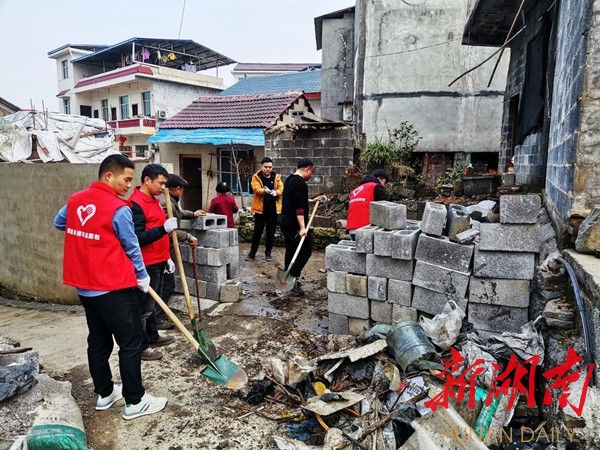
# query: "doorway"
191,171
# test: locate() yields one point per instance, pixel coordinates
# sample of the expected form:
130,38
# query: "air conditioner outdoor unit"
161,114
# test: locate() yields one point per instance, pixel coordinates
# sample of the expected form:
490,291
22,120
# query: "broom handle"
297,252
186,292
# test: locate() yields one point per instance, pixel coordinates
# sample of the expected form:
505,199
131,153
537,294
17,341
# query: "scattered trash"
408,343
258,391
445,327
16,379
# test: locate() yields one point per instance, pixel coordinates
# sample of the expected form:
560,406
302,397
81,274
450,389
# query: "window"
228,172
64,65
96,114
141,151
134,109
124,104
67,105
146,102
104,107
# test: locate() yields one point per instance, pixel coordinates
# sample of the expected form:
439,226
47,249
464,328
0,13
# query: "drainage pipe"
589,356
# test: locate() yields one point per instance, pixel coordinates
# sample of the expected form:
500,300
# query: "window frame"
67,105
146,104
226,168
64,65
105,108
124,103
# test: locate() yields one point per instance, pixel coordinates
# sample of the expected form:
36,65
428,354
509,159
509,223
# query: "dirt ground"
199,414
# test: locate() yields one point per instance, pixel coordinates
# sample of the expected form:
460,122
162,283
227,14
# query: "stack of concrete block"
503,266
392,274
217,259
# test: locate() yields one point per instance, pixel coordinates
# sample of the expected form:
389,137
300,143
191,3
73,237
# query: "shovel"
201,336
285,281
222,371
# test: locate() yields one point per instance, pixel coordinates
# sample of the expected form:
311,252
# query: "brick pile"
399,269
217,258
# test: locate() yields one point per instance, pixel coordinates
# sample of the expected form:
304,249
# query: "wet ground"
200,414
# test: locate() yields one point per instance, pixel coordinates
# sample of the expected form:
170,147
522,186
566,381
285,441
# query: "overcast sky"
244,30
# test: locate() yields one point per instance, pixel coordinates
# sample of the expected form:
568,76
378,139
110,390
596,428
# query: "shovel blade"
228,374
285,281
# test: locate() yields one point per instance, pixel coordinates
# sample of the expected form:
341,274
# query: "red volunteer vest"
93,256
157,251
358,209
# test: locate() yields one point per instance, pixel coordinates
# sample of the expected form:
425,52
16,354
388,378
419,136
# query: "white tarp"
78,139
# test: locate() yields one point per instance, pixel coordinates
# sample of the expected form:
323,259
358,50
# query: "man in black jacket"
294,218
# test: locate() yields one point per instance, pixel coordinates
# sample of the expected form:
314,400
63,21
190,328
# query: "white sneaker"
106,402
148,405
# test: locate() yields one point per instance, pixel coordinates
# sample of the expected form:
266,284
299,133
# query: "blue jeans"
117,314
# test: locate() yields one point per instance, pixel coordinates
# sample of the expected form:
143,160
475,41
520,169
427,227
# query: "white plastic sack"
444,328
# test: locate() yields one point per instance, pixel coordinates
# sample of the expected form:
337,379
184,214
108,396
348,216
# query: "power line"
181,23
415,49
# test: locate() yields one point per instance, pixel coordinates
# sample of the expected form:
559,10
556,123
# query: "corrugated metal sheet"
211,136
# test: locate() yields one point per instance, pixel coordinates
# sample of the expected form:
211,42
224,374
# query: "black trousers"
117,314
148,305
268,220
168,289
291,243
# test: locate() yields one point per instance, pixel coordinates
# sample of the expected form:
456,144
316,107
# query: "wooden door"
191,170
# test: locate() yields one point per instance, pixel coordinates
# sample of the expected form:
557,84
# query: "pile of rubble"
217,259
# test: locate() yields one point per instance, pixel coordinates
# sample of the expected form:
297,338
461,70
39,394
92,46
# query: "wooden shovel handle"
297,252
186,292
174,319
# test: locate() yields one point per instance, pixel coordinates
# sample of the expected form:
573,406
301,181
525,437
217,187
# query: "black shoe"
268,257
164,325
296,291
250,257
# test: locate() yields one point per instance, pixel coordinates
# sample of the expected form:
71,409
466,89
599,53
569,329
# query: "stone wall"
530,161
330,148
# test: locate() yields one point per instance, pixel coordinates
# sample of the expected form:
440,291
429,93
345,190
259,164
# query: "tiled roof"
116,74
273,67
236,111
308,81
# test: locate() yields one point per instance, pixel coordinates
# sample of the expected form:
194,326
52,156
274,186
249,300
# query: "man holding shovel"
103,260
152,230
294,218
175,186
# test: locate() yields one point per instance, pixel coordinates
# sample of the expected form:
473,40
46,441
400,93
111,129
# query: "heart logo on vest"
85,213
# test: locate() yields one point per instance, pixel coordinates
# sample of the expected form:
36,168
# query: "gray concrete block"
230,292
377,288
519,208
559,313
216,256
358,326
348,242
403,314
440,279
399,292
209,222
185,224
356,285
338,324
336,281
509,238
468,236
233,236
191,287
494,291
443,252
364,238
433,302
382,242
345,259
386,267
508,179
497,318
457,222
404,243
388,215
498,264
212,290
233,270
434,219
217,238
215,274
381,312
348,305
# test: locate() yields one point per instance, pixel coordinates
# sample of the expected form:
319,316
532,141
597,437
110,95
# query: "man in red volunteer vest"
103,260
371,188
152,229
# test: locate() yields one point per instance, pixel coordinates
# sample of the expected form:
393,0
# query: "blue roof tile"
308,81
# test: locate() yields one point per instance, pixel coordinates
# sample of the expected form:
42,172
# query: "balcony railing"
132,123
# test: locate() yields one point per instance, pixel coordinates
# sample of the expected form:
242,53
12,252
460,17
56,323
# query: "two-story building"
135,83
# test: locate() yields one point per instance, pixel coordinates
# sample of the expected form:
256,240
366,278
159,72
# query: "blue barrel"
408,343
